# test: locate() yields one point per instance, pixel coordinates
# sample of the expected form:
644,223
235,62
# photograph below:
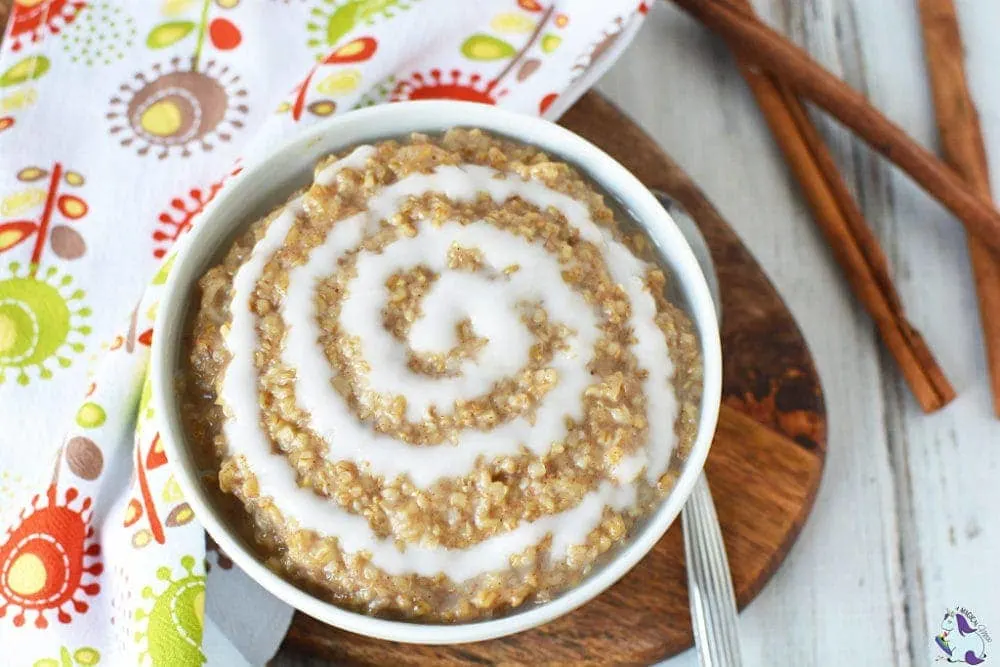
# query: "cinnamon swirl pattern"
441,380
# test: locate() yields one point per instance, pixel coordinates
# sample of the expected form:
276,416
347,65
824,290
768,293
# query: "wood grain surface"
764,468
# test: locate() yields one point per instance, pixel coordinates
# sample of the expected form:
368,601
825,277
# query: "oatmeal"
442,381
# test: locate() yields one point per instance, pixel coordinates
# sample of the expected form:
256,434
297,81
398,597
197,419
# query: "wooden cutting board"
764,468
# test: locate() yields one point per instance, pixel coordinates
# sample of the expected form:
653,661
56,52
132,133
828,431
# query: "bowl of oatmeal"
435,372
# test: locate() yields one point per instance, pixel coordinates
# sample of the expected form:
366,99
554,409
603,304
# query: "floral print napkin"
119,123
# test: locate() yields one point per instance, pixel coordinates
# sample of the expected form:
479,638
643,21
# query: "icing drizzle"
493,306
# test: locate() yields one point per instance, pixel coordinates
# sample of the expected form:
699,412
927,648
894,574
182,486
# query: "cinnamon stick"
853,216
962,141
850,238
866,240
768,49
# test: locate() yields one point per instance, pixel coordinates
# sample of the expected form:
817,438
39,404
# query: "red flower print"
453,85
31,20
50,561
180,215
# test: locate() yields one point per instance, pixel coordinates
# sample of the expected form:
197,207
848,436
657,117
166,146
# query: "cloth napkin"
119,122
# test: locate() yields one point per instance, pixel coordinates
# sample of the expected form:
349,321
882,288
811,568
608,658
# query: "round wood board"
764,468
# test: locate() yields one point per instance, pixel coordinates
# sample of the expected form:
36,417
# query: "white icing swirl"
492,305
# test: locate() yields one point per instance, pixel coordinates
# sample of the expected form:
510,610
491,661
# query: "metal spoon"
710,584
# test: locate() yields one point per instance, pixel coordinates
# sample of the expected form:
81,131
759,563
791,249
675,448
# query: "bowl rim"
372,124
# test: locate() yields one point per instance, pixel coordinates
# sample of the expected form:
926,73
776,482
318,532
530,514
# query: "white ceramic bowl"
267,183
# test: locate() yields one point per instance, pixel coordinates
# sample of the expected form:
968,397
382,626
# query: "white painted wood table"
907,522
